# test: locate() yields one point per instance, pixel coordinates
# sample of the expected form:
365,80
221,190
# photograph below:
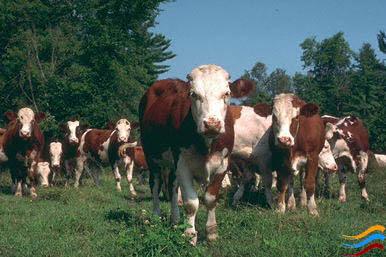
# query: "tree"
91,59
382,41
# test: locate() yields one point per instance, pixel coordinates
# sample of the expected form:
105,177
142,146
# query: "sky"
235,34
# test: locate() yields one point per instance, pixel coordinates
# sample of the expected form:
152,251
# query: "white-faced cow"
188,127
50,163
102,145
23,142
73,130
349,141
298,136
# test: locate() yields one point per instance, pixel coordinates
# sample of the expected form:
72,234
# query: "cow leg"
117,176
211,197
173,195
362,170
291,203
303,194
18,190
239,193
274,179
154,182
80,163
68,170
342,182
310,183
326,187
129,176
189,196
267,181
282,180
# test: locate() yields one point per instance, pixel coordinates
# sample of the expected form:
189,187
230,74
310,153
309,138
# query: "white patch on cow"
381,160
210,94
326,158
329,116
55,153
311,205
26,116
345,124
284,112
3,156
123,129
297,163
349,135
43,171
72,125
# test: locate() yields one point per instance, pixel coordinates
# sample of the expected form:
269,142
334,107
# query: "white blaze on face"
72,127
43,171
210,94
326,158
283,113
26,116
123,129
55,153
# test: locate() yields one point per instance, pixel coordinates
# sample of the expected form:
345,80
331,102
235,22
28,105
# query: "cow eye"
193,94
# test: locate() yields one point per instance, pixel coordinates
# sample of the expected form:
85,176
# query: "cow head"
43,171
210,93
285,108
26,120
56,152
326,158
73,131
123,128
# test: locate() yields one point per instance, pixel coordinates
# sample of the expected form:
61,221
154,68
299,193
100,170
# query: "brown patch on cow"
297,102
242,87
137,155
263,110
225,140
215,185
94,139
309,110
235,111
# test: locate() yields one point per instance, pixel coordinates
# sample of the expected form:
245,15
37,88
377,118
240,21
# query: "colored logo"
368,236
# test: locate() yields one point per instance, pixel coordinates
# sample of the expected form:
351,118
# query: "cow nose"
285,141
122,139
212,124
334,168
73,140
24,133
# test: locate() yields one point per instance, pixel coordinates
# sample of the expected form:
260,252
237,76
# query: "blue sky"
236,34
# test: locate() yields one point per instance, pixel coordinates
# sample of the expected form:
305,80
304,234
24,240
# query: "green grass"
102,222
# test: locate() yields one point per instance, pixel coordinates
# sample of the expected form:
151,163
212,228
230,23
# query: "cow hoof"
314,213
366,199
281,208
211,233
119,189
291,204
133,193
34,195
192,235
342,199
18,194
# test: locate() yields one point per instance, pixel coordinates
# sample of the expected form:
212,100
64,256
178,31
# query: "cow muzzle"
212,127
122,139
74,141
25,134
285,141
332,168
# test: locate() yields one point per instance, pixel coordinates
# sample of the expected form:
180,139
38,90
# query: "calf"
187,131
23,143
296,139
103,146
73,130
49,164
349,140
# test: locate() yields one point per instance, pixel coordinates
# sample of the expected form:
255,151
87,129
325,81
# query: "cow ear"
134,125
309,110
110,125
83,127
263,110
242,87
40,116
63,127
10,116
329,130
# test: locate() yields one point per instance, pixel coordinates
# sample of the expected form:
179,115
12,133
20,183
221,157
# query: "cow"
349,140
187,130
381,160
102,145
3,157
73,130
23,143
296,139
50,163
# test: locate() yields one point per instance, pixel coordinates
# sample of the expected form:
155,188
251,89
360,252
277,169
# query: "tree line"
340,80
93,59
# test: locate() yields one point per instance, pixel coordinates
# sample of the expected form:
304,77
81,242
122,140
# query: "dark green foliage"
88,59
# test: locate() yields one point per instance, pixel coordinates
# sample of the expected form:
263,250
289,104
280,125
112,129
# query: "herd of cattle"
189,132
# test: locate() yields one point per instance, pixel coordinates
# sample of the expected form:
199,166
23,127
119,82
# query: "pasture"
92,221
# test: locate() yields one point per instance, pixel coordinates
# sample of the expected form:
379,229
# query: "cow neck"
297,119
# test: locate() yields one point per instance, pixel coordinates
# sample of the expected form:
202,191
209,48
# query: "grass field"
94,221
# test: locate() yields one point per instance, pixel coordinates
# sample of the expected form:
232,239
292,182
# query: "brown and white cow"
50,163
102,145
188,127
23,142
3,157
73,130
297,138
349,140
